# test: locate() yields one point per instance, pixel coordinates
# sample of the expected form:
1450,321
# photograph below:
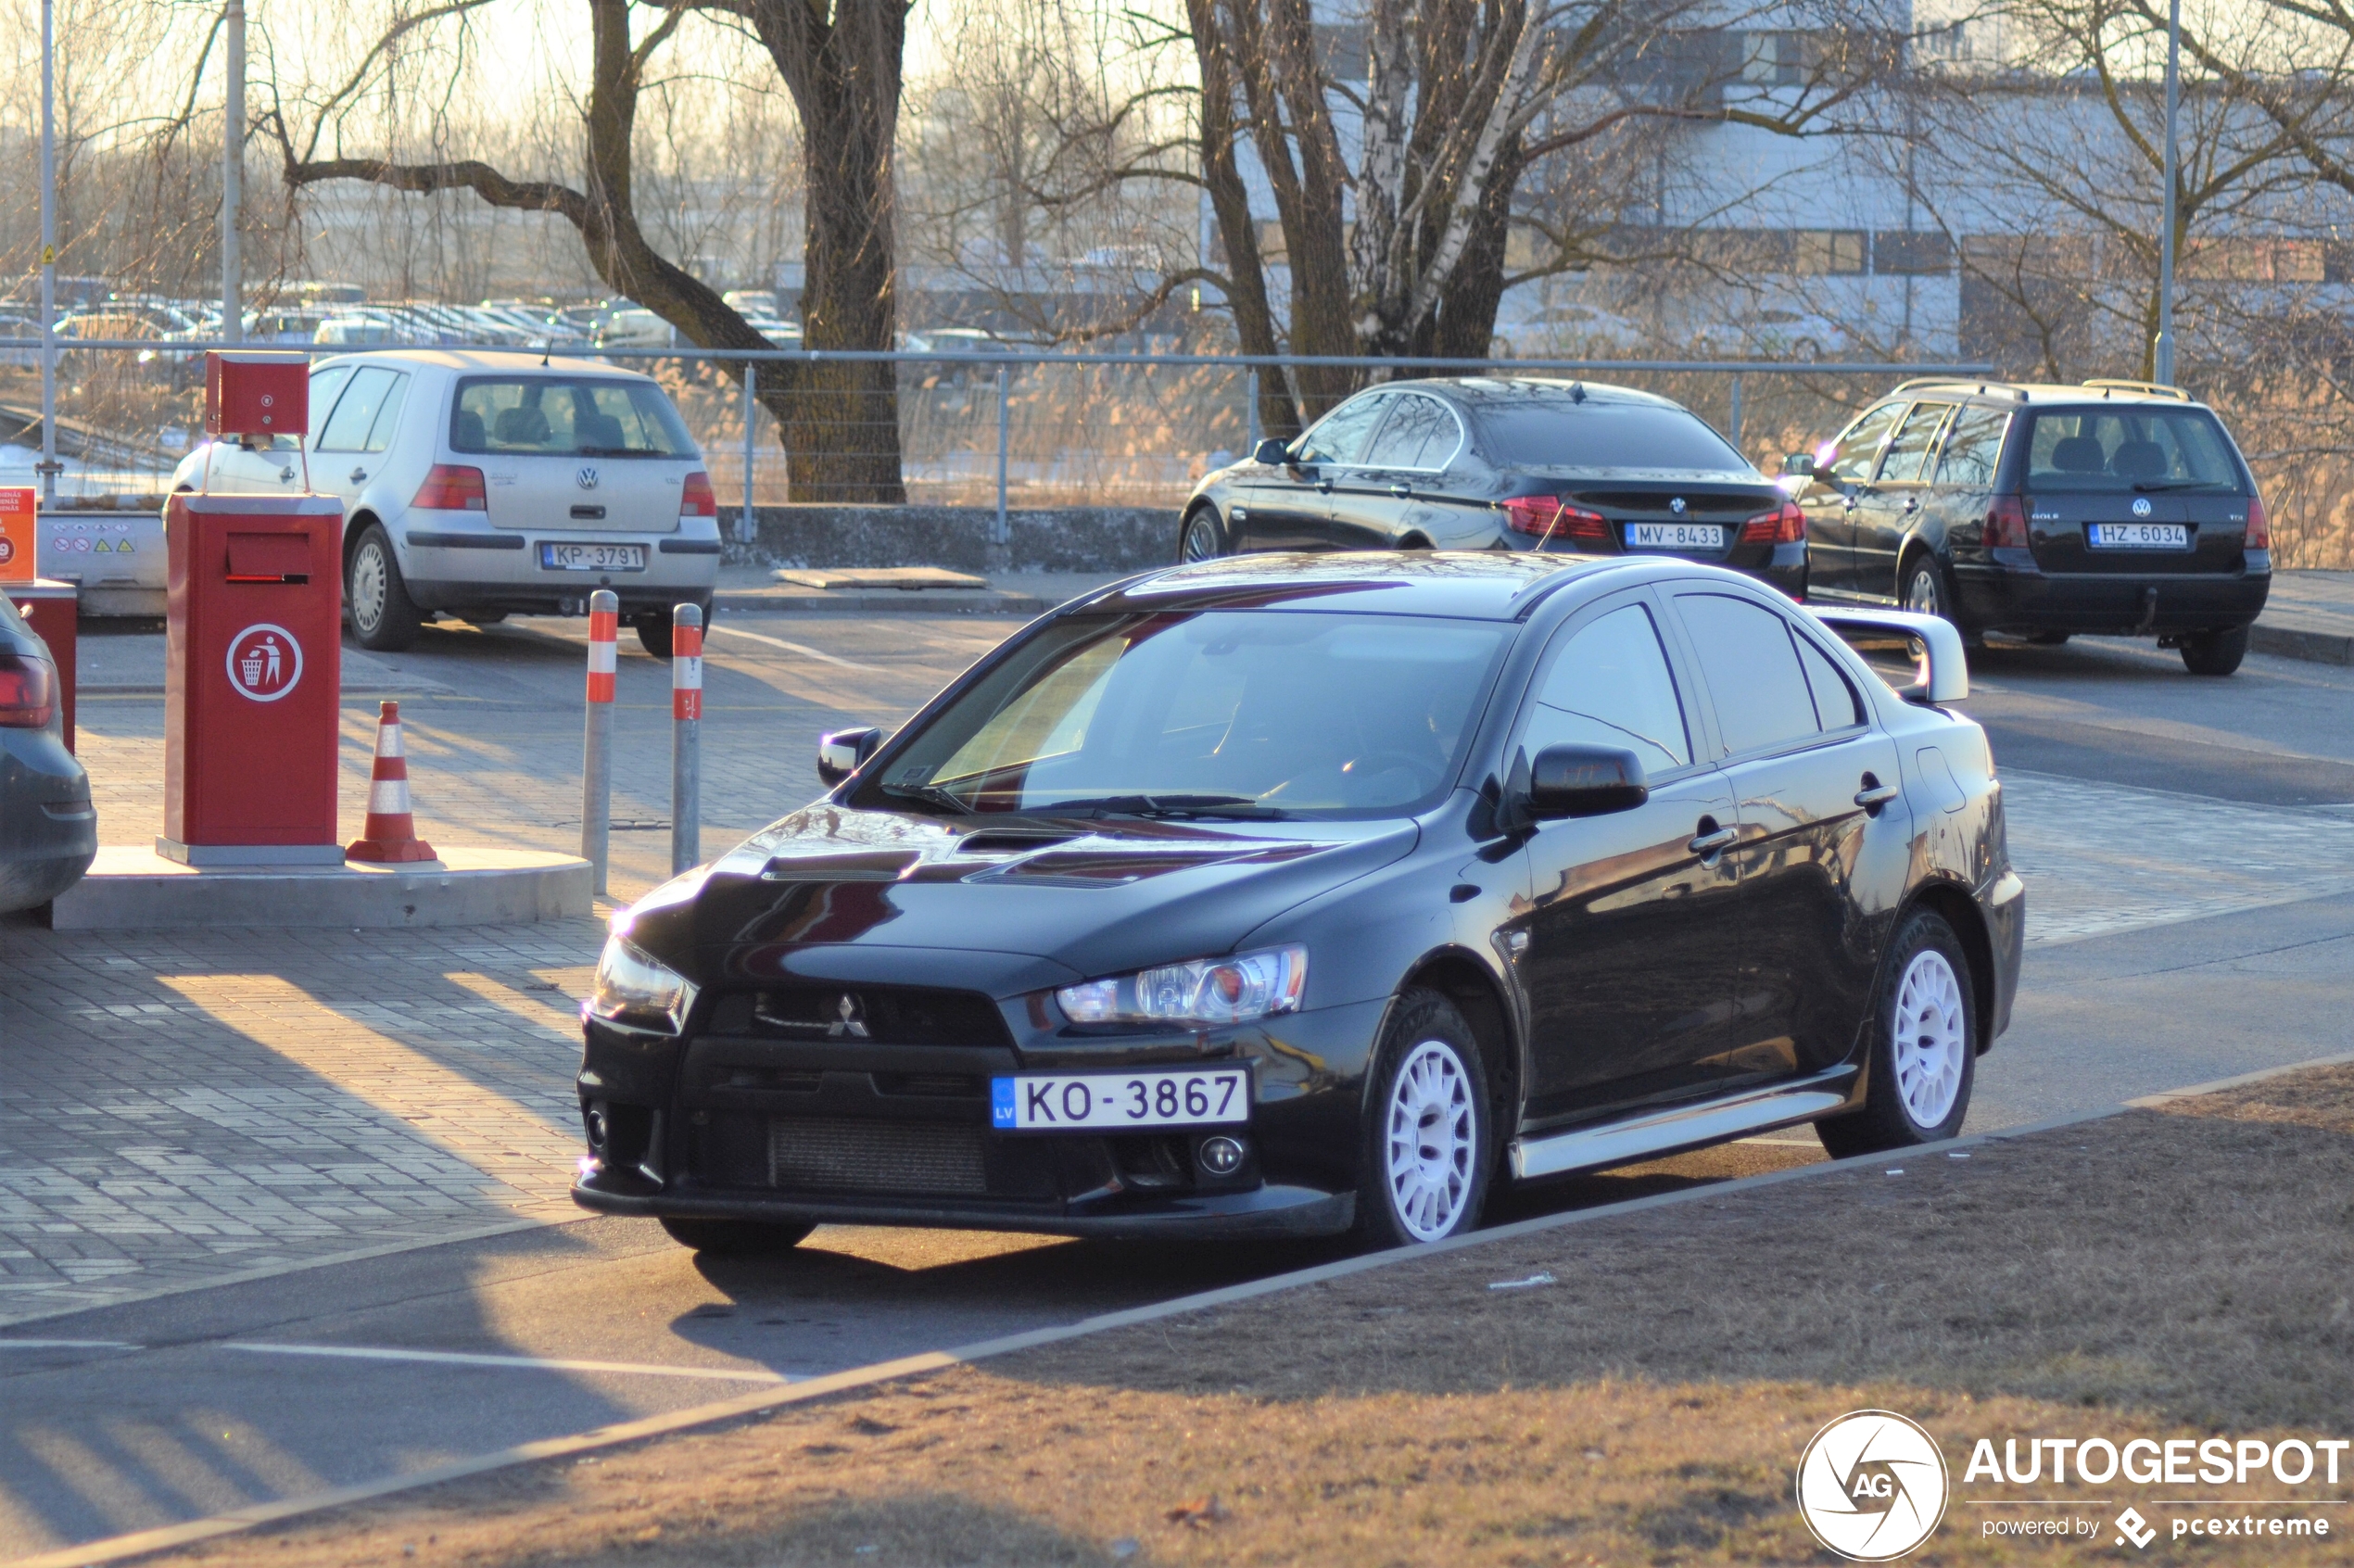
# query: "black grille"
890,1015
826,1155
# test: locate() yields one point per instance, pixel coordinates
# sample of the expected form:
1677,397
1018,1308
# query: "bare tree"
842,63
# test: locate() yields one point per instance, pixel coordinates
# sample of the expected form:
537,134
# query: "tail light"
1785,524
2260,527
452,486
1550,517
2007,523
696,497
28,692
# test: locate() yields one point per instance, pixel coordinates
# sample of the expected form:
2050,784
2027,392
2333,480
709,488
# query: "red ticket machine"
252,655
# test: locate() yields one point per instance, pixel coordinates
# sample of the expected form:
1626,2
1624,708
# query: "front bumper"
874,1132
2017,597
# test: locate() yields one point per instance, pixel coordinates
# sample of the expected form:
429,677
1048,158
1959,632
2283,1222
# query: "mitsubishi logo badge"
852,1024
587,477
1677,506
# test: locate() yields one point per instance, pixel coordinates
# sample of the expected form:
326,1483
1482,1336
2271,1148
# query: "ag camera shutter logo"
1872,1486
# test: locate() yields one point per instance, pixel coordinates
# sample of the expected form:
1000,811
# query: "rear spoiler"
1944,666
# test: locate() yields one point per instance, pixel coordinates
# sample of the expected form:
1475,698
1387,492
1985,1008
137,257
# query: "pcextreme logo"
1872,1486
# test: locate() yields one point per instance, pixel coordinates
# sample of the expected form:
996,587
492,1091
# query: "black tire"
652,628
1906,1047
2050,638
1454,1138
1924,587
1203,537
2215,652
482,617
383,617
736,1238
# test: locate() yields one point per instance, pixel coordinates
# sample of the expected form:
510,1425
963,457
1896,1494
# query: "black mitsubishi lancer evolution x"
1298,895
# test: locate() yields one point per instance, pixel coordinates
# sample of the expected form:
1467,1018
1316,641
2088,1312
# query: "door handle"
1712,839
1402,491
1324,486
359,475
1912,504
1851,503
1874,794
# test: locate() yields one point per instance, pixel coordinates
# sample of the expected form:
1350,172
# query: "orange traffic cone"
391,834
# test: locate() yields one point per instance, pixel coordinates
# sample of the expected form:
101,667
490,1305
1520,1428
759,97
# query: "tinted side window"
1974,448
1419,433
1859,449
1762,696
1836,704
1345,432
1609,684
1908,454
346,429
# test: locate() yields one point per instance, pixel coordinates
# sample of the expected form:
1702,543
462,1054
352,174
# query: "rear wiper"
932,795
1158,805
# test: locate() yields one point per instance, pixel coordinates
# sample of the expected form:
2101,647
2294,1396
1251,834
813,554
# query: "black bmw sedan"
1504,463
1303,894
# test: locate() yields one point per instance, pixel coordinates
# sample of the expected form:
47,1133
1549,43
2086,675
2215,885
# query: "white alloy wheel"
1921,596
1931,1035
1433,1136
368,586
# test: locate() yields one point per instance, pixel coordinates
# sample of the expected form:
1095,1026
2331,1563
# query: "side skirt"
1684,1127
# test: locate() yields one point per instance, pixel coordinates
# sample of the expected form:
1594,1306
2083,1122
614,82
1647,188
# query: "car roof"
1465,584
1500,391
2035,393
479,360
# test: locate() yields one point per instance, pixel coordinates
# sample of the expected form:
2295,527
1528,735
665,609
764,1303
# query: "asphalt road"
141,1414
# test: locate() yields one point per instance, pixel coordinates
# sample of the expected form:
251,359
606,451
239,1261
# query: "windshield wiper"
930,795
1158,805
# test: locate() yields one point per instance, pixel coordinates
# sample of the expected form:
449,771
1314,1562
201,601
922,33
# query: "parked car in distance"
48,828
1495,462
483,483
2113,506
1302,893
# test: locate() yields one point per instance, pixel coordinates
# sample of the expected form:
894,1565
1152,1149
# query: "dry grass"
2177,1274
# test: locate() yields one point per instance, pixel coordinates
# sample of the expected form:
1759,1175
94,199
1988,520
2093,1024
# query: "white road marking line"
799,647
68,1345
526,1363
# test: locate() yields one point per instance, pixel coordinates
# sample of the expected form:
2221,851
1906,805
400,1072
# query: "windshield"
2130,448
1234,713
1555,431
552,415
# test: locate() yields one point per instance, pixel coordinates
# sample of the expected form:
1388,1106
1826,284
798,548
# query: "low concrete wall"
1074,538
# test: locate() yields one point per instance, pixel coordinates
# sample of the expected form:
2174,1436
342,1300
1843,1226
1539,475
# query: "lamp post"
233,178
2163,351
48,253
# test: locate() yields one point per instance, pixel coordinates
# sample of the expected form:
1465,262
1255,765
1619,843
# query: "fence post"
596,767
686,739
746,529
1254,408
1003,531
1737,412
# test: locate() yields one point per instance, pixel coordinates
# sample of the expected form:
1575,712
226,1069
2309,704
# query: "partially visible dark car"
1302,893
48,831
1504,463
2114,507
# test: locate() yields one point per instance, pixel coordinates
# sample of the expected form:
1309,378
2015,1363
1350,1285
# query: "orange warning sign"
20,547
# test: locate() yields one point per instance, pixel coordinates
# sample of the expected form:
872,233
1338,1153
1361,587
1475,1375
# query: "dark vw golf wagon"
1292,894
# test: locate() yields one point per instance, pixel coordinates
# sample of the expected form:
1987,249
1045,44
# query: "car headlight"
633,987
1208,990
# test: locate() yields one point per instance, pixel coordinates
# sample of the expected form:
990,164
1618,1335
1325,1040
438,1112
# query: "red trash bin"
253,674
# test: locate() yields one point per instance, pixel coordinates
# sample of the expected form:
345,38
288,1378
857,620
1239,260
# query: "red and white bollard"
596,770
685,744
390,836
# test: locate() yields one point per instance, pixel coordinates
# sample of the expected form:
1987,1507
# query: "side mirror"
1272,452
845,752
1584,781
1799,466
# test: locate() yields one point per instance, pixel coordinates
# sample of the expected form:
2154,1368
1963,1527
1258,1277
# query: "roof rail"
1965,383
1920,381
2154,388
